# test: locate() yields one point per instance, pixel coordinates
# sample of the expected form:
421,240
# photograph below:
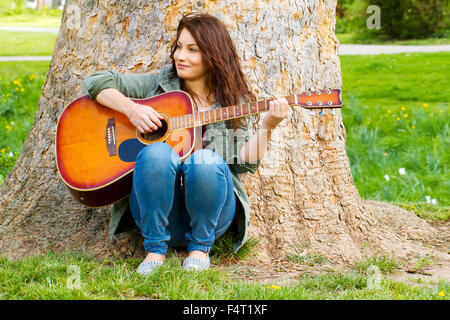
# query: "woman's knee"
205,169
157,152
204,156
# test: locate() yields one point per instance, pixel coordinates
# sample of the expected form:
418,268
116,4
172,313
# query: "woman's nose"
181,54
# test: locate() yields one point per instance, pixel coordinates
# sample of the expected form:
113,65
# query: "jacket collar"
168,79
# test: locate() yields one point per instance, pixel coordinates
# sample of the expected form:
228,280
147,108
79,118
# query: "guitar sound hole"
156,135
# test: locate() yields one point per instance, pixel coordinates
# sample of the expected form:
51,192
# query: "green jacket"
224,142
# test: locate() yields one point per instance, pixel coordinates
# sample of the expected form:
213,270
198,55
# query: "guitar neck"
330,98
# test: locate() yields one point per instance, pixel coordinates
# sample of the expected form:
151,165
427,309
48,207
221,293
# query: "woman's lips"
181,66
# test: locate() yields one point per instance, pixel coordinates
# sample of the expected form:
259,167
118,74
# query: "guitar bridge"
110,137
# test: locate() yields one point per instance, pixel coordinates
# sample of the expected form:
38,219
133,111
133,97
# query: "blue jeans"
191,214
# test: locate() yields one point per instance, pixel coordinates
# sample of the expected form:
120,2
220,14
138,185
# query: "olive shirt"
222,140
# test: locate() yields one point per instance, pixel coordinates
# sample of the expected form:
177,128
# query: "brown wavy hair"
225,78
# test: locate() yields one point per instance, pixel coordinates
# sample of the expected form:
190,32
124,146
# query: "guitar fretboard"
198,119
329,98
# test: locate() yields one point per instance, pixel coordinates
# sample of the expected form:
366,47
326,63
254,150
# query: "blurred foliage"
400,19
17,7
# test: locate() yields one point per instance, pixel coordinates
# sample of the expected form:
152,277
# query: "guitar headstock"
329,98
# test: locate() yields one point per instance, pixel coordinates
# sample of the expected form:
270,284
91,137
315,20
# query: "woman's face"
188,58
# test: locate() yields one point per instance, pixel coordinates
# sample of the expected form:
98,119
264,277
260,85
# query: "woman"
192,202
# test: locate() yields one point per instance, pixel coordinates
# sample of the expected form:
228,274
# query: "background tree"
303,192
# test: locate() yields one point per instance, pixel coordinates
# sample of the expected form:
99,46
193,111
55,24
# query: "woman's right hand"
144,118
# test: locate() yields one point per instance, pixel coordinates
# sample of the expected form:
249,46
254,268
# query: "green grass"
396,114
32,20
20,89
27,44
350,38
75,275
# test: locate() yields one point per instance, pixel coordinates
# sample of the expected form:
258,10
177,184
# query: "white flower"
402,171
11,154
386,177
434,201
428,198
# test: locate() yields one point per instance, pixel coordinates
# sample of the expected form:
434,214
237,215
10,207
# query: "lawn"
349,38
75,275
31,20
20,89
31,43
396,114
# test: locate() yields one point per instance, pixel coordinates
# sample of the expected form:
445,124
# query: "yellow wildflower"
413,207
405,115
276,287
22,89
3,150
413,127
425,105
8,127
441,293
398,118
389,111
385,154
368,122
403,108
17,83
231,291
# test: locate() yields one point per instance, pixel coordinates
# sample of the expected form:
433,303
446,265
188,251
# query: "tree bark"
303,192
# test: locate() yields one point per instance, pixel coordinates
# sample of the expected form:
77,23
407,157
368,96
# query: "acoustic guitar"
96,147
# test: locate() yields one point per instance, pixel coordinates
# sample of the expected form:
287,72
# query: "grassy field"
31,20
349,38
396,116
77,276
32,43
20,88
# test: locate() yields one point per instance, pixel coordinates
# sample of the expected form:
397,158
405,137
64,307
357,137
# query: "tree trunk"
303,192
40,5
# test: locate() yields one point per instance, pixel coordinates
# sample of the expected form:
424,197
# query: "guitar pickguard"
129,149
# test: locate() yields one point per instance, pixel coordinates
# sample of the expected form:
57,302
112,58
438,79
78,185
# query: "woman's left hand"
278,111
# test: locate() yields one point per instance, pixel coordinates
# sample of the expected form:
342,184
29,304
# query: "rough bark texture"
303,192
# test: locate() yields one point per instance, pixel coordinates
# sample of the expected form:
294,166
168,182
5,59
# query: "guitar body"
96,147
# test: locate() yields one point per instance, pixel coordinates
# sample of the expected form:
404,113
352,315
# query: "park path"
343,49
